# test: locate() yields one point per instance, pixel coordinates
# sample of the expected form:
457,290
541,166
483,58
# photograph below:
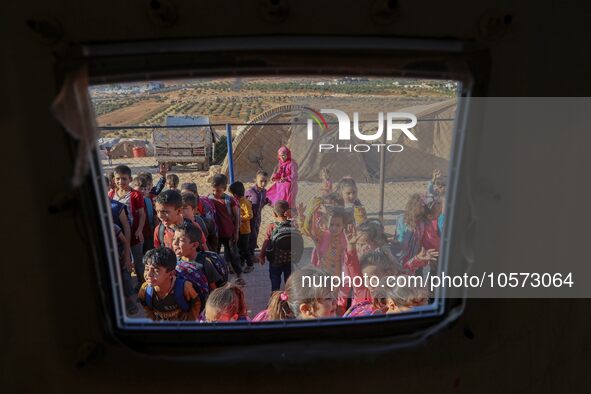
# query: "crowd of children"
172,238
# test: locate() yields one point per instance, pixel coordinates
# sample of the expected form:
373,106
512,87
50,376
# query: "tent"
256,146
432,149
124,147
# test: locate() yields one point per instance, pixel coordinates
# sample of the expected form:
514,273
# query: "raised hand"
162,169
436,174
428,255
351,235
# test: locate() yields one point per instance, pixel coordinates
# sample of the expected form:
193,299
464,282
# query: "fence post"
230,153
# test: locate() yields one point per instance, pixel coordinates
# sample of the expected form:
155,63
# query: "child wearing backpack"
164,296
283,245
257,195
193,264
226,304
141,184
191,212
134,201
237,190
169,209
227,217
206,211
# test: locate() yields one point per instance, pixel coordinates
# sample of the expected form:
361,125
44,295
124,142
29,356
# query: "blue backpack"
187,271
220,265
179,294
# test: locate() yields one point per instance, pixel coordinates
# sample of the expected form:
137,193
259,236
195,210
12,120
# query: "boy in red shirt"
169,208
134,201
227,217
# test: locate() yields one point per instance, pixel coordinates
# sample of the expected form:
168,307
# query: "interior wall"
51,313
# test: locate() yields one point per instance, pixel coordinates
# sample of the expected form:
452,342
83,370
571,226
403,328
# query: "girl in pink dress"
335,253
286,179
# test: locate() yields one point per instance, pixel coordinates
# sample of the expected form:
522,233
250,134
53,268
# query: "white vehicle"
184,145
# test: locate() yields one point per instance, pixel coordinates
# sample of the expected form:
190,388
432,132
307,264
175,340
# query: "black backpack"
286,246
218,263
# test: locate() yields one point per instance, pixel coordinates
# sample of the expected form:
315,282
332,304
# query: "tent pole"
230,153
382,176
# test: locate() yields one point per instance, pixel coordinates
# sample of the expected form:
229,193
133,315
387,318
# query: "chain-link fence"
386,172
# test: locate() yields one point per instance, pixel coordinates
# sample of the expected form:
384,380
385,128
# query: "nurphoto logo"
402,121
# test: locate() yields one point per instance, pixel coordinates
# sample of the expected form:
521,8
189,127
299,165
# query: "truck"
184,145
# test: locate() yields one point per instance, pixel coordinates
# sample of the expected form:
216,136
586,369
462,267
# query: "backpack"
227,200
218,263
179,294
201,223
188,271
286,246
209,213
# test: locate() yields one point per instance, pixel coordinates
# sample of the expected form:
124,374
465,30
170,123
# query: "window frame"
263,56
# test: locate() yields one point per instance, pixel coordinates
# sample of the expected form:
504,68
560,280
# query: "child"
206,211
257,195
227,217
156,190
237,190
141,184
326,187
335,253
187,246
172,182
190,187
436,191
280,211
371,237
286,179
126,268
226,304
403,299
304,298
191,212
169,208
163,295
347,188
109,155
316,214
134,201
119,213
390,300
417,233
436,187
376,264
